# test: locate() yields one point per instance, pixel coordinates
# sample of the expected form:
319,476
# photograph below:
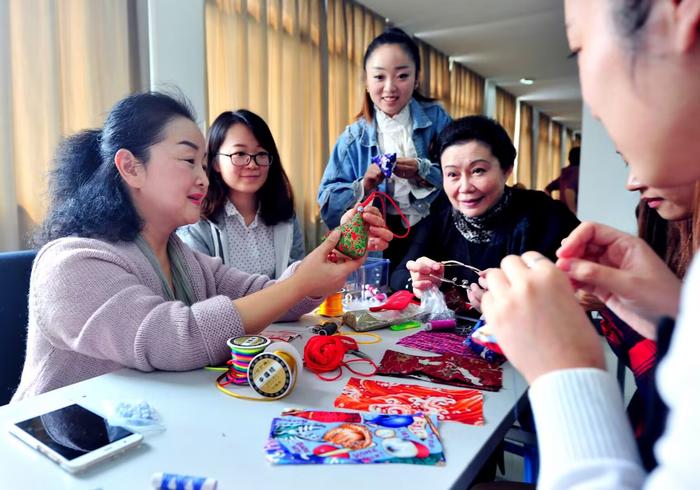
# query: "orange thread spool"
332,305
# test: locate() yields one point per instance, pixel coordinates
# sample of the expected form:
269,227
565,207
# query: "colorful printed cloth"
447,369
464,405
304,437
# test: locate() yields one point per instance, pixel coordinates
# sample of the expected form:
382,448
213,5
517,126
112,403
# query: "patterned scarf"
479,229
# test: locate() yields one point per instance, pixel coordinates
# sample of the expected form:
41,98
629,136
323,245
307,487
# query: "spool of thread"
441,324
243,351
332,305
166,481
273,373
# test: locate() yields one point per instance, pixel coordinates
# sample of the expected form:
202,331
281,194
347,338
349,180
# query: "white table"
214,435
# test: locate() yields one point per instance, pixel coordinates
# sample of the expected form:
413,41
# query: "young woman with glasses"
248,214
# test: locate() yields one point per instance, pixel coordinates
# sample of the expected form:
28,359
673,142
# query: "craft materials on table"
460,405
447,369
483,336
280,335
311,437
438,342
332,305
326,353
365,320
269,368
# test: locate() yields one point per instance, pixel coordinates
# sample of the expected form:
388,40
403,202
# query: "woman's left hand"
537,321
379,234
406,168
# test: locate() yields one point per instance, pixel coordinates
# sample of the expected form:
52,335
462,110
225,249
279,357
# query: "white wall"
177,50
602,194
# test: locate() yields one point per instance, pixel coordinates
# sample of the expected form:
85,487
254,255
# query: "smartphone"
74,437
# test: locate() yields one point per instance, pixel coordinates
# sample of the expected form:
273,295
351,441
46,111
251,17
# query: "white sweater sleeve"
585,440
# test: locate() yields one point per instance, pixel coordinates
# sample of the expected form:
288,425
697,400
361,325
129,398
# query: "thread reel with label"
269,368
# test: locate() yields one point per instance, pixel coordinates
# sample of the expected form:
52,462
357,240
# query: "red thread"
383,196
326,353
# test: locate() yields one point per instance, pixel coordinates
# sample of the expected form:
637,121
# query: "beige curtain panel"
505,111
466,92
544,168
265,56
64,65
435,74
350,28
524,166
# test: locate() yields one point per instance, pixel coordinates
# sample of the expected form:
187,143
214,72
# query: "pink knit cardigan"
95,307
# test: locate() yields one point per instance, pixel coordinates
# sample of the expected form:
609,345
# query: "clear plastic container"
368,285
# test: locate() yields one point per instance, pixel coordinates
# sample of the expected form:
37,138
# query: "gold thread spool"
332,305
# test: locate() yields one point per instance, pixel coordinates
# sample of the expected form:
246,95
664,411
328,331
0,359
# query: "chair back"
15,269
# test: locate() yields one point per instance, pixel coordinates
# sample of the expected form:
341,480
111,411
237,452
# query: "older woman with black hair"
482,219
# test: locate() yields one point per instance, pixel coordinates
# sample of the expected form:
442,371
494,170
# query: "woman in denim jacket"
395,118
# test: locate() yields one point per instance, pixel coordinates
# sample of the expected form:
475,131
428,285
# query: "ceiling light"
527,81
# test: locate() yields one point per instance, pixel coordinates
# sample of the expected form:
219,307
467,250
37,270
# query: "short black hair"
88,197
575,156
275,196
484,130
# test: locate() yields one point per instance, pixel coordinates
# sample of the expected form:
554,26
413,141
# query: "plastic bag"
135,415
433,306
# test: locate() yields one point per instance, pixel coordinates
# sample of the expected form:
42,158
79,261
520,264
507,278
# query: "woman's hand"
476,292
379,234
421,271
406,168
318,274
536,318
623,271
373,177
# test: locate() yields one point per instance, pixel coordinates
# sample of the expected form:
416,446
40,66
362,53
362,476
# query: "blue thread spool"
171,481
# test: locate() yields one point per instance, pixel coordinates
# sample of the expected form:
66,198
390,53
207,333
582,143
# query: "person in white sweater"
639,63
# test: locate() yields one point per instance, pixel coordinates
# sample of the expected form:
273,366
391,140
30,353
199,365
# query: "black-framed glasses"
241,158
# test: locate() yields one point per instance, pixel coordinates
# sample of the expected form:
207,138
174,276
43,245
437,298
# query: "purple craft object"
438,342
386,163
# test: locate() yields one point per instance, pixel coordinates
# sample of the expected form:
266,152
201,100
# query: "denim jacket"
341,185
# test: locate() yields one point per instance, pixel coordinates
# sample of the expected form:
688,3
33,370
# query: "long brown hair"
674,241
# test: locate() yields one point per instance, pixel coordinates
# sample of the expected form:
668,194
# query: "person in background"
113,286
584,438
248,214
479,219
567,182
395,118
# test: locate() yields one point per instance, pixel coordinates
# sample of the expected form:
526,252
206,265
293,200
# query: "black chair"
15,269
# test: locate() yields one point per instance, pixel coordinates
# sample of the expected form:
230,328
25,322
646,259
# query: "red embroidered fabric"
461,405
447,369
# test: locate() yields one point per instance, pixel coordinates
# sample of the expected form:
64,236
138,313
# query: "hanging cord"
326,353
382,196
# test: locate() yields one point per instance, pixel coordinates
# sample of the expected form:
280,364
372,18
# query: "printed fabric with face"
391,78
472,178
173,182
240,144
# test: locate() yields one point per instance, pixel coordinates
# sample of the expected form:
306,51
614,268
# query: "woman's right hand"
421,271
319,275
373,177
621,270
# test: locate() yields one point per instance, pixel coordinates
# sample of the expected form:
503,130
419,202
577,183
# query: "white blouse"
395,135
252,247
